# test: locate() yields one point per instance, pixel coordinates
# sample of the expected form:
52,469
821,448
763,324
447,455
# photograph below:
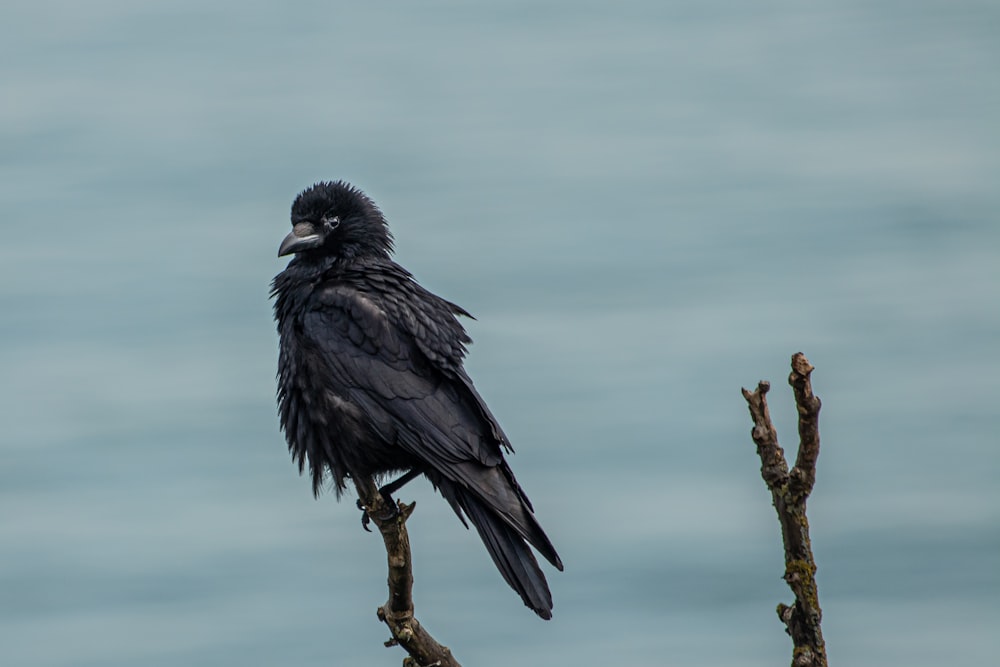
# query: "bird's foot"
389,511
365,519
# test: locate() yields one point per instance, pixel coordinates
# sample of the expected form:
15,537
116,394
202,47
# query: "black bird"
371,383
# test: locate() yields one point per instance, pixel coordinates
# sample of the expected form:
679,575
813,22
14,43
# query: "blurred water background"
647,206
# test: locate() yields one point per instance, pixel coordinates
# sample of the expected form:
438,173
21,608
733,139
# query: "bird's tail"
507,547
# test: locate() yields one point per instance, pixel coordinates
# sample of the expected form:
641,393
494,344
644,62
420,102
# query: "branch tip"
801,365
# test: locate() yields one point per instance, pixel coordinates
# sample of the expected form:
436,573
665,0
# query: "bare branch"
789,491
808,405
397,612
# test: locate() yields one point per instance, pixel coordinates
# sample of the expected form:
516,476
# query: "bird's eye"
331,220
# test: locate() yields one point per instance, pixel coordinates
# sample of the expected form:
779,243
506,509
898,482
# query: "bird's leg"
392,487
386,492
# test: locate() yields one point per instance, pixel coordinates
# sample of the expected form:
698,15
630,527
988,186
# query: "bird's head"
336,220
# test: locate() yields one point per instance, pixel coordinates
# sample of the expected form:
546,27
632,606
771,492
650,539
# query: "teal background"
646,205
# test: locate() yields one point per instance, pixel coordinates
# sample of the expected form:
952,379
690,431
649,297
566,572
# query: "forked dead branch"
789,491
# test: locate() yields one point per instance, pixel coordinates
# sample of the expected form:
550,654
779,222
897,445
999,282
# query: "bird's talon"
390,509
365,518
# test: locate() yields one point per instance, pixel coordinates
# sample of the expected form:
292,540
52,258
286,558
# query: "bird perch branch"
397,612
789,491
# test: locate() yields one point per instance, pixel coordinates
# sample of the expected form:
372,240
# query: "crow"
371,381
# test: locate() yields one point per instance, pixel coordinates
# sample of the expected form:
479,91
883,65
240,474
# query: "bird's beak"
302,237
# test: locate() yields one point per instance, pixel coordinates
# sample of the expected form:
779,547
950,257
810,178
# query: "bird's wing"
437,333
377,364
409,400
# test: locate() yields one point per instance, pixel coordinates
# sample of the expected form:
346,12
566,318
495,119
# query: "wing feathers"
400,366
